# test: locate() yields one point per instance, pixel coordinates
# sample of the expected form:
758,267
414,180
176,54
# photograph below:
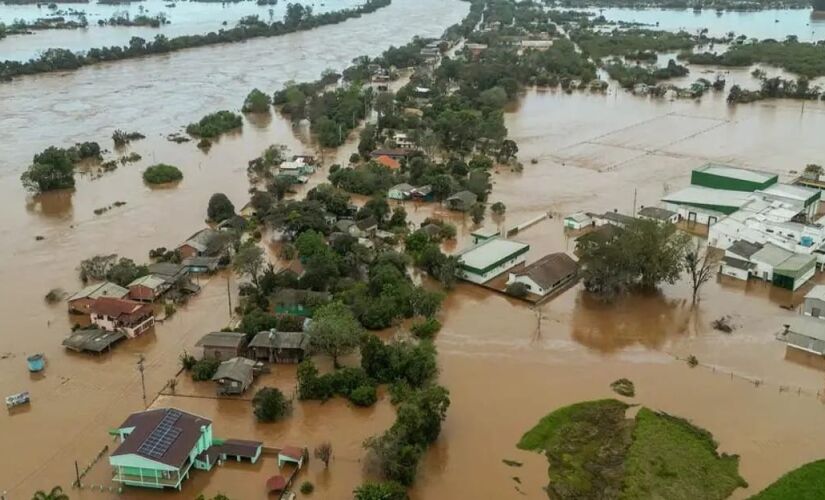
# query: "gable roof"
147,427
109,306
772,255
617,217
273,339
151,281
167,269
465,197
368,223
550,269
388,162
392,153
403,187
104,289
222,339
657,213
237,369
817,293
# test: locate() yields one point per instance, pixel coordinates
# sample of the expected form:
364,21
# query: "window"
815,312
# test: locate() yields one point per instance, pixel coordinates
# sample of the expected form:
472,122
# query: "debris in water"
511,463
692,361
623,387
723,324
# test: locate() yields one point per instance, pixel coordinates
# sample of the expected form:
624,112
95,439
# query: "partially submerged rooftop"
490,253
804,333
739,173
721,200
222,339
550,269
92,340
163,435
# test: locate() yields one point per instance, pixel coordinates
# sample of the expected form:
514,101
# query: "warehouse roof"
804,333
697,195
796,262
744,248
817,292
790,191
772,255
491,252
744,174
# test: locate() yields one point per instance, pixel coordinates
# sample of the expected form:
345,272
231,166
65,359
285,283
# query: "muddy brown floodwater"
505,364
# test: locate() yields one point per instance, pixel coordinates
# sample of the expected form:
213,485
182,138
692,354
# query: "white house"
485,261
578,220
659,214
403,141
547,274
400,192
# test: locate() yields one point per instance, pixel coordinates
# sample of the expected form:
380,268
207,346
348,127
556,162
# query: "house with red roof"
121,315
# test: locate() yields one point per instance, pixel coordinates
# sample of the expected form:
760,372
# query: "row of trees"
297,18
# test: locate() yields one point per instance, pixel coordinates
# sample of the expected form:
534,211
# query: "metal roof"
790,191
805,333
744,174
105,289
149,281
744,248
237,369
796,262
707,196
272,339
579,217
93,340
817,292
485,232
490,252
222,339
150,427
550,269
772,255
656,213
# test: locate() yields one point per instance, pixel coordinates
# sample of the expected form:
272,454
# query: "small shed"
578,220
814,304
222,345
547,274
292,454
804,334
234,376
92,340
461,201
659,214
279,347
276,484
388,162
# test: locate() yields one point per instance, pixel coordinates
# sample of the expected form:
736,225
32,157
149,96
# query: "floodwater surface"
185,18
506,364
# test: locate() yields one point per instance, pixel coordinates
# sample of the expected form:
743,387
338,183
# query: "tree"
812,170
498,208
389,490
257,102
249,260
56,493
477,212
643,255
507,151
700,264
323,452
270,405
219,208
334,331
125,271
398,218
51,169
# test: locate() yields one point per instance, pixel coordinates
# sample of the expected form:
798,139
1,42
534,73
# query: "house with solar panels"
159,447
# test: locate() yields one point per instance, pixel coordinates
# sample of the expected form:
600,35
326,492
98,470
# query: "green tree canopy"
219,208
334,330
270,405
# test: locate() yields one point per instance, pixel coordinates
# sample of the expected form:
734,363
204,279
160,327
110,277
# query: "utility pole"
76,473
141,359
634,202
229,296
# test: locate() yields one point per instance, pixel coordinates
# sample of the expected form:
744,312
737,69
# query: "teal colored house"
159,447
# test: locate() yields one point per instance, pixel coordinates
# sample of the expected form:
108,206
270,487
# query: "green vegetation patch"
805,483
597,453
162,173
671,458
586,444
631,42
805,59
215,124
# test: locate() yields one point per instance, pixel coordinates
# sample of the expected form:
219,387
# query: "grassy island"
804,483
595,452
215,124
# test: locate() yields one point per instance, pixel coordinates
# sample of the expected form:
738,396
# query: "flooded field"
776,24
506,364
185,18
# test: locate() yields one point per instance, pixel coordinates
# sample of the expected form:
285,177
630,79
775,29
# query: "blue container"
806,241
36,362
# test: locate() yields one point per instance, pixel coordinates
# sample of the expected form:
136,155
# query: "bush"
518,290
389,490
270,405
307,487
162,173
215,124
204,369
364,395
257,102
51,169
426,329
187,361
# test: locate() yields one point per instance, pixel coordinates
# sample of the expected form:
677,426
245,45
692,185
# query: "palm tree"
55,494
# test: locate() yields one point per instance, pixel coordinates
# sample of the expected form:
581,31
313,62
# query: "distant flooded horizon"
185,18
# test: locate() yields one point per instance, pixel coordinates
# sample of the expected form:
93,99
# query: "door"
692,217
815,312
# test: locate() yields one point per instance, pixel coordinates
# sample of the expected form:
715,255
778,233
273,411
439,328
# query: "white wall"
480,279
734,272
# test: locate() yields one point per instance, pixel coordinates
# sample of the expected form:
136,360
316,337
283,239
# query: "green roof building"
718,176
491,258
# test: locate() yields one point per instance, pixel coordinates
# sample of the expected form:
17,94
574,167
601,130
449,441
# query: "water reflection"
644,319
53,204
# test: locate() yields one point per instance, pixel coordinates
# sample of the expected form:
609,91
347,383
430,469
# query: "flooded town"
393,249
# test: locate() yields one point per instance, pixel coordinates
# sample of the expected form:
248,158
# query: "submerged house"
204,242
158,447
547,274
805,334
659,214
234,376
127,316
814,304
483,262
148,288
461,201
81,302
400,191
297,302
279,347
222,345
578,220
